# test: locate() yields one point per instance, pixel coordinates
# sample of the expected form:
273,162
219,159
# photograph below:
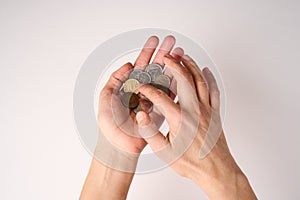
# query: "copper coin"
130,100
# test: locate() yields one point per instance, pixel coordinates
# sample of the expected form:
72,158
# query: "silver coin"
154,66
154,73
135,74
144,78
163,80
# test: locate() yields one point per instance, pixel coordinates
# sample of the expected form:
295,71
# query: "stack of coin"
153,75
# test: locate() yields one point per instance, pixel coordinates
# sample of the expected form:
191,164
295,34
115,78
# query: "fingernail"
139,117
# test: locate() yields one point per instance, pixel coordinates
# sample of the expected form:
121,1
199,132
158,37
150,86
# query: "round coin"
130,100
154,66
144,78
163,80
154,73
135,74
131,85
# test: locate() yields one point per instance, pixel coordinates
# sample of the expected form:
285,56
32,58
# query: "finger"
156,141
117,78
161,101
165,48
214,92
186,90
177,53
146,53
175,66
201,85
108,95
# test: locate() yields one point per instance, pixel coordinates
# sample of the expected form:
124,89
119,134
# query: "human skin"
218,175
103,182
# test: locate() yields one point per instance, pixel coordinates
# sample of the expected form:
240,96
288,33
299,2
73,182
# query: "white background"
255,44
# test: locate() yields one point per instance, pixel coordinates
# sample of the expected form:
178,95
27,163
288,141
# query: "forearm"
105,183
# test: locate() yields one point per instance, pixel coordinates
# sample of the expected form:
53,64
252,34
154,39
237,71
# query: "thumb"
143,119
149,131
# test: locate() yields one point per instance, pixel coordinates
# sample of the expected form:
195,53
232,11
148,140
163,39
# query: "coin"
163,80
154,73
144,78
131,85
130,100
144,105
135,74
154,66
161,87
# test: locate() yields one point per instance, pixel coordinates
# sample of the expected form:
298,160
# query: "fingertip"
167,44
179,49
154,37
128,65
139,116
142,118
177,53
171,38
206,70
153,41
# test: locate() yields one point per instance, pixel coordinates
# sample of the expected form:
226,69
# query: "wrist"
230,186
114,183
114,157
105,183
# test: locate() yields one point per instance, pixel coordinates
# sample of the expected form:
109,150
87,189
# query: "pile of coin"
153,75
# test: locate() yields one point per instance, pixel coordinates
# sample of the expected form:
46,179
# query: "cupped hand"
115,121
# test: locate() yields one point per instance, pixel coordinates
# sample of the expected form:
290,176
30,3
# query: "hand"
113,181
195,117
115,121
